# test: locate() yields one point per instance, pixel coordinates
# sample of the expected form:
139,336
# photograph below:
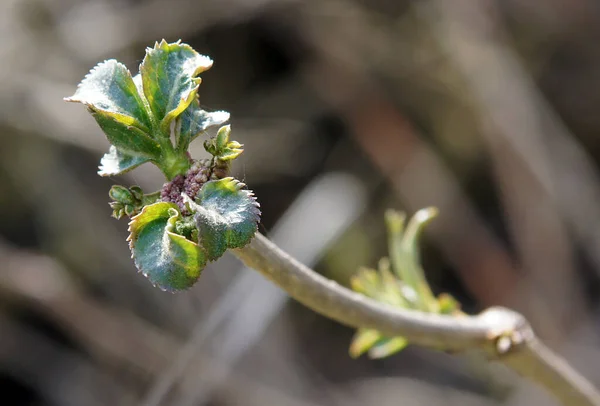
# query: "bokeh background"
485,109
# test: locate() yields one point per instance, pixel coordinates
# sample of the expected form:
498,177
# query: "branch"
501,334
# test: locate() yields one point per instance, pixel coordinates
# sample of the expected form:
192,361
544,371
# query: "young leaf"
193,121
448,304
130,201
226,214
168,260
413,231
380,285
231,151
220,146
363,340
109,90
383,286
406,287
405,258
129,140
115,162
366,281
387,346
121,194
169,79
113,99
222,138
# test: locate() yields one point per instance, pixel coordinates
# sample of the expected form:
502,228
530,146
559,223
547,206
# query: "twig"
501,334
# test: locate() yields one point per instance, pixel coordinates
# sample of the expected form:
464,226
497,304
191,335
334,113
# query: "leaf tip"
426,214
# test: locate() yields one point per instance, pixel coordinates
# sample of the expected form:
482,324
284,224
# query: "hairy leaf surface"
115,162
226,214
194,121
169,79
168,260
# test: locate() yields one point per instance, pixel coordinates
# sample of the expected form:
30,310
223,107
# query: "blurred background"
484,109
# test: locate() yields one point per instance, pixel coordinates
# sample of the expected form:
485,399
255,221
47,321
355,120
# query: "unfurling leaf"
168,260
371,341
413,231
129,140
227,216
387,346
363,340
405,257
115,162
153,117
406,287
121,194
220,146
113,99
383,286
193,121
169,79
380,285
129,201
448,304
109,90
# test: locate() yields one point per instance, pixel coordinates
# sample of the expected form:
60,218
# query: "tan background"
487,110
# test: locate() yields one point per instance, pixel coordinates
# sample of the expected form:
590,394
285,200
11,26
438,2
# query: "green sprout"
201,211
399,282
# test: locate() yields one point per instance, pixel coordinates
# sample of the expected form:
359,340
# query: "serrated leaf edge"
102,167
74,99
239,187
164,46
168,227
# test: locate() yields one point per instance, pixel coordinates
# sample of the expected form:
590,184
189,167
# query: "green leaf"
226,214
220,146
130,201
413,231
222,138
231,151
363,340
405,258
136,192
121,194
168,260
387,346
113,99
194,121
109,91
169,79
366,281
380,285
383,286
127,139
406,287
378,346
448,304
115,162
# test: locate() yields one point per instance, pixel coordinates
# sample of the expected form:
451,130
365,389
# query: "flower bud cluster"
190,184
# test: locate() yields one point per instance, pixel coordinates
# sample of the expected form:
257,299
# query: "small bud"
121,194
137,192
395,221
210,147
229,154
129,210
118,214
222,138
